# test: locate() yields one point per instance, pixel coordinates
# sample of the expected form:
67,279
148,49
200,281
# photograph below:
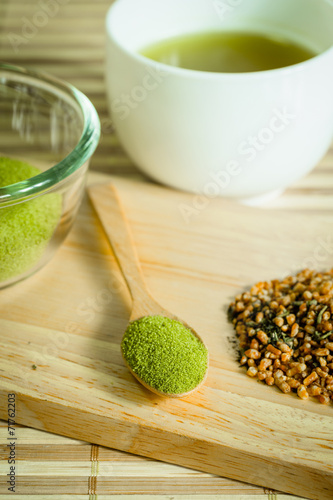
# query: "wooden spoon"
109,209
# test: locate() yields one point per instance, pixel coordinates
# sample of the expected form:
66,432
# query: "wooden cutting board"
69,318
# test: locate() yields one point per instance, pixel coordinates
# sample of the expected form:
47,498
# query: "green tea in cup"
228,52
239,105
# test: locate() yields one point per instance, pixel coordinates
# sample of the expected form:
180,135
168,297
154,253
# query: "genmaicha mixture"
165,354
285,331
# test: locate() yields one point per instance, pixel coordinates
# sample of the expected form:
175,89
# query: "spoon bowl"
110,212
166,394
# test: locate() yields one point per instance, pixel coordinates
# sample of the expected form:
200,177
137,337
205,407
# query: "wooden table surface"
67,40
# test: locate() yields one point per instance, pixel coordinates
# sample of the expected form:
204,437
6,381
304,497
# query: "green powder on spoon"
165,354
25,228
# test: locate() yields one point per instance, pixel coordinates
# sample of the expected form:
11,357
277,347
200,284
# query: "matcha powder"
25,228
165,354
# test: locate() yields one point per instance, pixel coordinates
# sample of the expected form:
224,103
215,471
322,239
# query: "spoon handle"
110,211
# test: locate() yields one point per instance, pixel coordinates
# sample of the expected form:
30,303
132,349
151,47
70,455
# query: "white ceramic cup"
238,135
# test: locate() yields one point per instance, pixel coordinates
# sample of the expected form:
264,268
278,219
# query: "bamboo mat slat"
151,497
71,47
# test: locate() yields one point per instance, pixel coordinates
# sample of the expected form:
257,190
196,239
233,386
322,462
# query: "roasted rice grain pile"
285,331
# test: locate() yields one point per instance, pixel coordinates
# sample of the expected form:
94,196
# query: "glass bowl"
54,127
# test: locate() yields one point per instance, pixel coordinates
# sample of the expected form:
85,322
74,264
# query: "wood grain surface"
71,46
232,426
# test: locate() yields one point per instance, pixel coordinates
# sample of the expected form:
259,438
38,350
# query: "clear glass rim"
75,159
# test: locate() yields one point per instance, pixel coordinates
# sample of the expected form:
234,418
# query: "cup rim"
209,75
75,159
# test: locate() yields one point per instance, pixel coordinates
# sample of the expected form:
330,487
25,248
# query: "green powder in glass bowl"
165,354
25,228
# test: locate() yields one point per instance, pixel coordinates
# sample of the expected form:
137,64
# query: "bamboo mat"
49,464
70,45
